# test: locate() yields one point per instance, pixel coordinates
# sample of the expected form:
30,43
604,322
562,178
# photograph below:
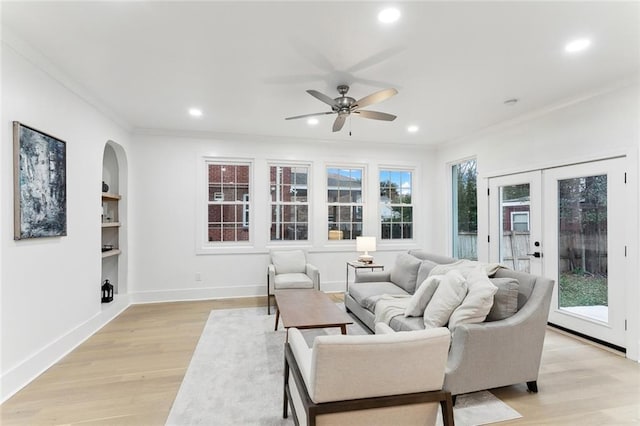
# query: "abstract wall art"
40,184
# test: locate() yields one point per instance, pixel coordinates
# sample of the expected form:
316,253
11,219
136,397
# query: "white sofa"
482,356
383,379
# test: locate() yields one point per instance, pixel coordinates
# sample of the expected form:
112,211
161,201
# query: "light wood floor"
130,371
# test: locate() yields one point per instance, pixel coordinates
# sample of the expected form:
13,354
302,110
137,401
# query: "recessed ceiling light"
412,129
389,15
577,45
195,112
312,121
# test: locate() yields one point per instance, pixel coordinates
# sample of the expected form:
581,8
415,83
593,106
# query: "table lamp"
365,244
335,234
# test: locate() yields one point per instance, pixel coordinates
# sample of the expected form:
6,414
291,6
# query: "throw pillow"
477,304
505,301
448,296
422,296
289,262
423,272
405,272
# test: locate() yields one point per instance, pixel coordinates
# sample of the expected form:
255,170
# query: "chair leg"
532,386
268,296
447,410
285,405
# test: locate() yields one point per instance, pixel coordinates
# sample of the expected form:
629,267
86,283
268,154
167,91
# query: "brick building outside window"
289,202
228,202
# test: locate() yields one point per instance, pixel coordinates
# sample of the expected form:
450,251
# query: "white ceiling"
247,64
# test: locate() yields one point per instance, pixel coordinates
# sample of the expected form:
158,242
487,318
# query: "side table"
360,265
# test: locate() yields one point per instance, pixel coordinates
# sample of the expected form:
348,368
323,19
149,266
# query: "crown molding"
19,46
541,112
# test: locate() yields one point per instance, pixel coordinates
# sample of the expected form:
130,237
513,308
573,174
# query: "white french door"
515,217
585,222
567,223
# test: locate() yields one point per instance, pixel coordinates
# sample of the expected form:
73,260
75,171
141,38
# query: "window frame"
363,201
412,205
307,203
203,245
453,205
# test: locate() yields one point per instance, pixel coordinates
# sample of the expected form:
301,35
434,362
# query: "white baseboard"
184,295
19,376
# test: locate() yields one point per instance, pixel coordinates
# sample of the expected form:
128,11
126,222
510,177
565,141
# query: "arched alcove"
114,217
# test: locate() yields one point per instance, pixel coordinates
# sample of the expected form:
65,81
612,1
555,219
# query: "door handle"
535,254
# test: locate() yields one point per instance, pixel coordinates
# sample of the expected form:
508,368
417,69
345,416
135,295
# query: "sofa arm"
313,273
382,328
372,276
499,353
301,352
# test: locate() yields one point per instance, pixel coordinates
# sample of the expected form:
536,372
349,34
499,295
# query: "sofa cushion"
423,271
448,296
402,323
477,303
405,272
288,281
505,301
422,296
367,294
526,282
425,255
289,262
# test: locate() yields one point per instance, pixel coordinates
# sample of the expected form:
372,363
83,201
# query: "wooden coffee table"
309,309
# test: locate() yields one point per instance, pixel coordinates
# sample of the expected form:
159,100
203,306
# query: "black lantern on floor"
107,292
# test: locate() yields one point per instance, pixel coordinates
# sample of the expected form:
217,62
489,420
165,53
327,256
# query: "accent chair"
289,270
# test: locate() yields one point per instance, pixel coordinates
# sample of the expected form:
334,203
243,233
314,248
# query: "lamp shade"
366,244
335,234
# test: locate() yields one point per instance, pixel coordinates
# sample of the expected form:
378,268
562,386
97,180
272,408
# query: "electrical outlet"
198,276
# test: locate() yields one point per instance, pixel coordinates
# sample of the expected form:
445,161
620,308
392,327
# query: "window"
520,221
396,208
344,198
465,210
289,202
228,202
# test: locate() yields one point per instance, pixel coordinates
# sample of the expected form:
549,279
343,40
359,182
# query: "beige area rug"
235,376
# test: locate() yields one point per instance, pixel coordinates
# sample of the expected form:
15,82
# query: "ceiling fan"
344,106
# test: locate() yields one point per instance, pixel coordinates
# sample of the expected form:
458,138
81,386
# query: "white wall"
167,190
50,298
607,124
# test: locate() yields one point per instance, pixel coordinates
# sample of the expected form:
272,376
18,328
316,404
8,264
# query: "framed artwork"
40,184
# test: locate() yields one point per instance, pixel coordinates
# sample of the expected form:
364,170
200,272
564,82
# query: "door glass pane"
582,246
514,221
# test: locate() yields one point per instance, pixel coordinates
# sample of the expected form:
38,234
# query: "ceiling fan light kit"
345,105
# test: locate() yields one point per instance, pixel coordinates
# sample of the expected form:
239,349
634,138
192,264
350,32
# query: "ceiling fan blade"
376,115
324,98
310,115
374,98
340,119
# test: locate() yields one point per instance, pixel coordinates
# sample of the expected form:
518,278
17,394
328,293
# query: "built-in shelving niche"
113,220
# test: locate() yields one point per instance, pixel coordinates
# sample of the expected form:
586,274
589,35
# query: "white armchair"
383,379
290,270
